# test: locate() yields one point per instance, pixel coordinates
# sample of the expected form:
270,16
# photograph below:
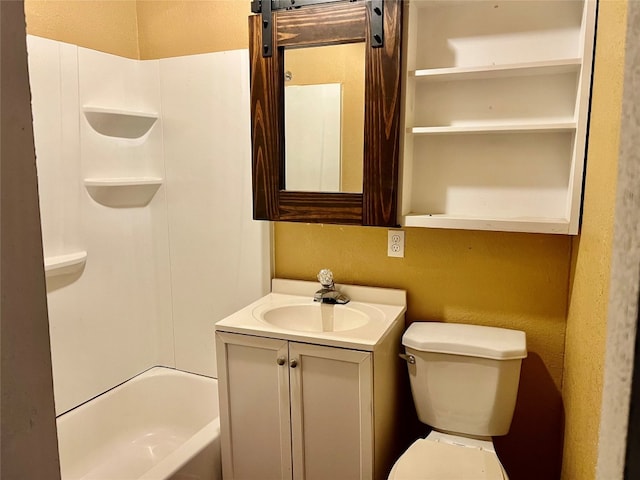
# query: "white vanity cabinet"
495,113
306,400
294,410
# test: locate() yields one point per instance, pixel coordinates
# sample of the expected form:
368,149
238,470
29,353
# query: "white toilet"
464,381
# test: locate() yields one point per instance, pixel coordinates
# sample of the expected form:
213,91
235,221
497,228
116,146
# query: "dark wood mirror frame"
327,24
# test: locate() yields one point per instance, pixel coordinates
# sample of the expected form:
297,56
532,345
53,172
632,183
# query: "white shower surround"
157,277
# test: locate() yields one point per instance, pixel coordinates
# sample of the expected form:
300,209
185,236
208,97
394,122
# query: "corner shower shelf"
123,191
496,104
119,123
64,264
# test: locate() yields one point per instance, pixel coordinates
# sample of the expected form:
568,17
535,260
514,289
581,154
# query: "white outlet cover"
395,243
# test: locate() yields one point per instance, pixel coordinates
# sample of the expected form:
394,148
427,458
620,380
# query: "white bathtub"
161,424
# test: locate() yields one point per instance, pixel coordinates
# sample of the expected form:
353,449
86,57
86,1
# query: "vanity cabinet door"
253,376
331,412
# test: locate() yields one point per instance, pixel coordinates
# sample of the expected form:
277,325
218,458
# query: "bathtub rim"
152,371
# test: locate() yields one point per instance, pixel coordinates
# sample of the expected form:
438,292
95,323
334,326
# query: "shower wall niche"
145,195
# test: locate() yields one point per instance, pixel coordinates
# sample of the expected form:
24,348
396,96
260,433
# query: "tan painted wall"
187,27
589,293
105,25
489,278
144,29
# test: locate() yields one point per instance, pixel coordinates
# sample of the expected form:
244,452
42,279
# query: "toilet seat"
429,460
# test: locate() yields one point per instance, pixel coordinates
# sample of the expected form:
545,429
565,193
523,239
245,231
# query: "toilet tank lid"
470,340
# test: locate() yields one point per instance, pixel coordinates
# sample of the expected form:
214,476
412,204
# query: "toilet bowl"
464,382
443,456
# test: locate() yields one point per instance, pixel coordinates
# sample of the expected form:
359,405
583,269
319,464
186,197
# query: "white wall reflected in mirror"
312,133
324,94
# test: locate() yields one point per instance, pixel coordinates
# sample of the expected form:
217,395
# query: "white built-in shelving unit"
495,114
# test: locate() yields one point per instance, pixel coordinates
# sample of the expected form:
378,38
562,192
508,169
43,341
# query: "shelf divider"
544,67
519,224
495,128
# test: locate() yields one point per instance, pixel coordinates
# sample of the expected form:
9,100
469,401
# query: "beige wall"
144,29
503,279
106,25
589,293
622,317
188,27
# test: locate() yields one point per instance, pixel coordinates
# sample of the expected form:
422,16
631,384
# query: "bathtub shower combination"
161,424
124,272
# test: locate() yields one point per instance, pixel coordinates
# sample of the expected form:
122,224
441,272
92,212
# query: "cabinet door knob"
293,363
281,360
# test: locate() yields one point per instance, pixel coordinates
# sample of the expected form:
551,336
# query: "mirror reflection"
324,118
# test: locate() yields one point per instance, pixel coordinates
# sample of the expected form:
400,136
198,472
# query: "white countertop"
386,307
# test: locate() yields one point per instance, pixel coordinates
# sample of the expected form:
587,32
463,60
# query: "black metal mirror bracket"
266,7
267,26
377,23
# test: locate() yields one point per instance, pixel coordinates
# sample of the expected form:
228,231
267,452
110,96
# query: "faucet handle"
325,277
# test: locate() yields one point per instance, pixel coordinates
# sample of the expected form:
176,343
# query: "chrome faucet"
328,292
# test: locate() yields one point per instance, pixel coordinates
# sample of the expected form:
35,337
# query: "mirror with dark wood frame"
332,23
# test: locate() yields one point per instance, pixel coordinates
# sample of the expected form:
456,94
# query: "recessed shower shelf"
64,264
123,191
119,123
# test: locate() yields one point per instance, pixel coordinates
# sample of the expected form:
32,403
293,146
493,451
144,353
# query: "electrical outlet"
395,243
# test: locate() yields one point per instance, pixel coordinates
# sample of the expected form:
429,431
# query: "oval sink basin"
314,317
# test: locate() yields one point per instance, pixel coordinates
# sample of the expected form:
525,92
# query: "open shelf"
547,67
119,123
518,224
123,191
526,102
64,264
495,128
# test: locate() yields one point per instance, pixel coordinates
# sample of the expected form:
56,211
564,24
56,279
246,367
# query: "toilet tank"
465,377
